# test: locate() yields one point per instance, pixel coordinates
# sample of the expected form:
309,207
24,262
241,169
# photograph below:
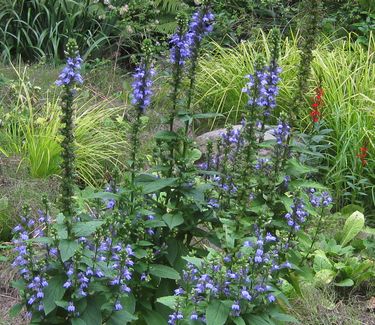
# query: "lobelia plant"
311,24
226,232
261,204
75,269
69,78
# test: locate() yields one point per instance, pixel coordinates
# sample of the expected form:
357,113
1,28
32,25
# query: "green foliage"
38,30
336,260
347,114
33,132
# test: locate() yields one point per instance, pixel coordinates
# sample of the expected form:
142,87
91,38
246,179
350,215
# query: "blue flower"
282,132
118,305
180,50
70,75
142,86
71,308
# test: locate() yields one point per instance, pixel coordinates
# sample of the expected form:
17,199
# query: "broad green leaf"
121,317
19,284
295,168
324,276
153,318
128,302
217,313
92,315
157,185
345,283
284,317
101,195
258,320
53,292
193,155
163,271
306,184
15,310
77,321
193,260
173,220
353,225
351,208
41,240
239,321
169,301
166,135
321,261
83,229
62,303
60,219
67,248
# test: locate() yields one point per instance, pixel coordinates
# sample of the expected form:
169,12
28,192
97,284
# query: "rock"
216,134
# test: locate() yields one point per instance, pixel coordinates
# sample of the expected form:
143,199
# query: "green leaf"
153,318
321,261
121,317
295,168
351,208
217,313
324,276
92,315
60,219
173,220
345,283
353,225
157,184
193,260
193,155
19,284
258,320
128,302
306,184
163,271
166,135
53,292
78,321
67,248
83,229
169,301
239,321
41,240
15,310
284,317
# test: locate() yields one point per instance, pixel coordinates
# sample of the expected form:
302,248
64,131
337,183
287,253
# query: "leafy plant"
348,97
333,260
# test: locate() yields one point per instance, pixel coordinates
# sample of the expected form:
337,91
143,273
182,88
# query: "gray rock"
216,134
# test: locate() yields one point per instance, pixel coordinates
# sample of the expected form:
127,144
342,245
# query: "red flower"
362,155
315,115
316,105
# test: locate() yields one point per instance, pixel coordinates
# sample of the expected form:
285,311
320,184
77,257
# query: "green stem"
314,238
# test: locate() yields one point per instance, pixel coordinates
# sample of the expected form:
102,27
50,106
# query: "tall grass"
38,29
347,71
101,143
